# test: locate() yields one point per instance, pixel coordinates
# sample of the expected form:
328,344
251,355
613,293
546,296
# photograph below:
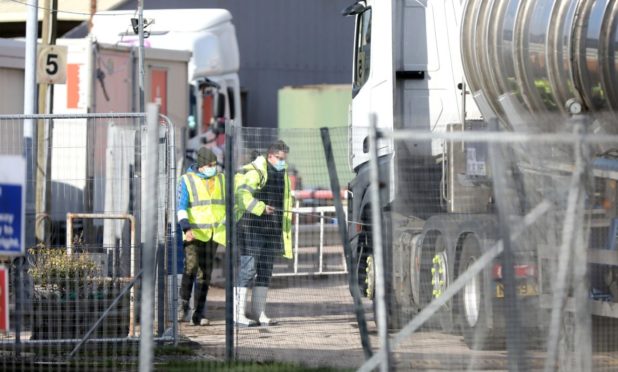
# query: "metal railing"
316,212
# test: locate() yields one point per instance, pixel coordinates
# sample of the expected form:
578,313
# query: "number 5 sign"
51,64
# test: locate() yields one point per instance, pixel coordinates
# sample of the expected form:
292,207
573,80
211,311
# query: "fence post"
296,233
29,129
581,283
229,237
172,219
378,251
149,215
500,167
343,232
161,231
321,246
572,243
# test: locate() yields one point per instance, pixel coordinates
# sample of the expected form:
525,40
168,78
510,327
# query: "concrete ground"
317,327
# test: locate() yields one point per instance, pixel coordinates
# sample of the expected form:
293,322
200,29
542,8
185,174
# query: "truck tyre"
404,307
366,278
435,276
370,277
472,303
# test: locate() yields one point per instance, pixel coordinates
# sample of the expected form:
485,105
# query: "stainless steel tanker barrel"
543,58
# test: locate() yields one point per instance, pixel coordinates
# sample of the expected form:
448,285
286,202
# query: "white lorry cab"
210,36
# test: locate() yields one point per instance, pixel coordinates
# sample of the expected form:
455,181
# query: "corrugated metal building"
282,43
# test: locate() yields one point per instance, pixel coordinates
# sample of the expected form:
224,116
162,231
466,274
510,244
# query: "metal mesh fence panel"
75,295
292,300
499,249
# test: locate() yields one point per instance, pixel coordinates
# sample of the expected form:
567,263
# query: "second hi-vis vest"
206,212
253,177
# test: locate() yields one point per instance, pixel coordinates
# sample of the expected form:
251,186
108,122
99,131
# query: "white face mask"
279,165
209,172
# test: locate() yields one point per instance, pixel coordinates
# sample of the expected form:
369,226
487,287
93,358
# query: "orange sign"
158,88
4,299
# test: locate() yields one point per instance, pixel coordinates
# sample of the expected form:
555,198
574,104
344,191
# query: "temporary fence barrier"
76,296
497,251
493,241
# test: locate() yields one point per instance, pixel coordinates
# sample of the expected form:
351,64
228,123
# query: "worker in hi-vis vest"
264,204
201,216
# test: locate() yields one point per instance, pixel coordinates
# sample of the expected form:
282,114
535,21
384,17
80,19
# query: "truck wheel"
477,333
370,278
434,278
404,307
366,278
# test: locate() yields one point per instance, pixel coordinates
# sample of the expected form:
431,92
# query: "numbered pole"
51,64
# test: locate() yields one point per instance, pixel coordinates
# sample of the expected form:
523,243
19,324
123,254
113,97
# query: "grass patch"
165,350
183,366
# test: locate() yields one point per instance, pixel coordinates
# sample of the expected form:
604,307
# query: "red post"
4,299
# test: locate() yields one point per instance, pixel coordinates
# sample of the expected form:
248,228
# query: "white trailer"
210,36
103,78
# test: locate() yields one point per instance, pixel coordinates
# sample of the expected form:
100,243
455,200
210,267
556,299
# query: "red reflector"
496,272
521,271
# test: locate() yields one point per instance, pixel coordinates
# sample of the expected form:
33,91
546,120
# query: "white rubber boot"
240,304
258,306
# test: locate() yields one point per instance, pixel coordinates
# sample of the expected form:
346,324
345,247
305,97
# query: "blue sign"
12,205
10,219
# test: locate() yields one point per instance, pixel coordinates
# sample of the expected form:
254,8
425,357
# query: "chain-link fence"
99,196
498,250
291,291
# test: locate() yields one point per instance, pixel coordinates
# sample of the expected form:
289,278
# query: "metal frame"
112,216
17,341
321,211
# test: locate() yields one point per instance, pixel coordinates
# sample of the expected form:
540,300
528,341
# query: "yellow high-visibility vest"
253,177
206,212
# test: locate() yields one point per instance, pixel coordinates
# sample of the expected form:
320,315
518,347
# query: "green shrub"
54,270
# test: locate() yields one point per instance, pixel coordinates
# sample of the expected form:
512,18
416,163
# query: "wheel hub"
439,274
370,278
472,299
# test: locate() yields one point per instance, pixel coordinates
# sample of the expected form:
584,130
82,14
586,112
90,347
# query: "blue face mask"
279,165
209,172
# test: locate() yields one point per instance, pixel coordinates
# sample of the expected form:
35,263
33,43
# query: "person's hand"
189,235
270,210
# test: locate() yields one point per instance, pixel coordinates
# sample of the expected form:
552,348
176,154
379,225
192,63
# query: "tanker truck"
513,66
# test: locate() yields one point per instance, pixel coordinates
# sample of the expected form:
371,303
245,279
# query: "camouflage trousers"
198,264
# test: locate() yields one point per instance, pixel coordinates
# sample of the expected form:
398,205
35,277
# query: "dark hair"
254,154
278,146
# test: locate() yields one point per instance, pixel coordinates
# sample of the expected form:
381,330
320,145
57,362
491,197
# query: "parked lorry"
103,78
213,83
450,66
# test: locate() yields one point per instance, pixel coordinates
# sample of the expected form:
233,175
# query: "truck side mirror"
354,9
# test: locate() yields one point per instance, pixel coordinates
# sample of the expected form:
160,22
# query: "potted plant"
70,295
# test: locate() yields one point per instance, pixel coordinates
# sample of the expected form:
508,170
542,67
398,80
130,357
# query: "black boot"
183,311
